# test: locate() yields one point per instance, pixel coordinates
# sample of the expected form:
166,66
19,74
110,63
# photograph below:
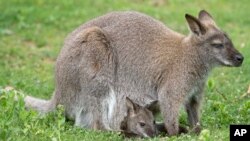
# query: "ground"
32,34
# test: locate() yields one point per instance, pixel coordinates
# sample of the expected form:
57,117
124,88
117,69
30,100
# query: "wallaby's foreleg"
170,99
193,108
84,119
170,112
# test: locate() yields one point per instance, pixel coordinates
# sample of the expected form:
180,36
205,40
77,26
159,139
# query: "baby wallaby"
139,121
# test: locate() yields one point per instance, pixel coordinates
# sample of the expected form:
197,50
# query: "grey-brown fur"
143,59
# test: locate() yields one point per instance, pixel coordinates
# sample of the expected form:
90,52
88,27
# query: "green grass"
32,33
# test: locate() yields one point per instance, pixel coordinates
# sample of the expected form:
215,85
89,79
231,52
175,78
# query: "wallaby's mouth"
233,61
129,134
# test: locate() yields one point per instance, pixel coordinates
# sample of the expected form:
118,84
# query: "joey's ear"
123,125
205,17
131,106
195,25
152,105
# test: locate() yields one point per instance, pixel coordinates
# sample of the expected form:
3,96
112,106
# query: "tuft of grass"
32,34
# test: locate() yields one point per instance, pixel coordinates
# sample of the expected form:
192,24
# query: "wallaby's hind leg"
84,119
89,119
192,107
94,67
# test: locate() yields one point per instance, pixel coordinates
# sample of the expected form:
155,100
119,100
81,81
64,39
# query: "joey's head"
139,121
213,44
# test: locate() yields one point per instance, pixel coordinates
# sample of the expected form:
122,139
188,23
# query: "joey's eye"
142,124
154,121
218,45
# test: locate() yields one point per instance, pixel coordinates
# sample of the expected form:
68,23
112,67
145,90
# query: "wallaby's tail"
40,105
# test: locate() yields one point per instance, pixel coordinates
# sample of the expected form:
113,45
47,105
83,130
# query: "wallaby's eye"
217,45
154,122
142,124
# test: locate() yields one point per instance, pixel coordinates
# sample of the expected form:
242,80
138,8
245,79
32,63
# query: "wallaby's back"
137,39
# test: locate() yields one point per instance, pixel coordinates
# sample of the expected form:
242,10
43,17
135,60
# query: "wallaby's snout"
227,55
238,58
151,132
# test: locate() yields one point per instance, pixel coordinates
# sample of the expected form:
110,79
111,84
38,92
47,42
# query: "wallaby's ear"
123,125
131,106
205,17
152,105
195,25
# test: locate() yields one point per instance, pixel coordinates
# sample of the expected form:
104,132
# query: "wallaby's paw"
183,129
161,129
196,129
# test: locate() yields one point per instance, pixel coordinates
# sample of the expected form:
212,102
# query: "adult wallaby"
139,57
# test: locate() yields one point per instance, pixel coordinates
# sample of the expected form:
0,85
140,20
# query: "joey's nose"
239,58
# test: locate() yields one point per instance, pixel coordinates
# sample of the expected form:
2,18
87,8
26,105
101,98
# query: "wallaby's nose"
150,132
239,58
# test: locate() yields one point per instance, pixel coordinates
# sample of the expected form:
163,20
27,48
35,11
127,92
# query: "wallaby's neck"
195,57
